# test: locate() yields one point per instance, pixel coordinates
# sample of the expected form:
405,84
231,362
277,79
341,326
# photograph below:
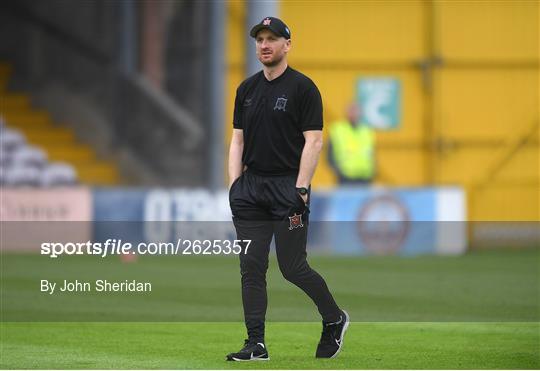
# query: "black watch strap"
302,190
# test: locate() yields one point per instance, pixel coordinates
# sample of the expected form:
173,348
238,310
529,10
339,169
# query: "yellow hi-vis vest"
353,149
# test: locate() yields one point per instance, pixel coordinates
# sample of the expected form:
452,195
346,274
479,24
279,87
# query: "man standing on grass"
276,141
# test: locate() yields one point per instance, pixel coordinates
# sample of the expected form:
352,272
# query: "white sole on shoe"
250,360
345,327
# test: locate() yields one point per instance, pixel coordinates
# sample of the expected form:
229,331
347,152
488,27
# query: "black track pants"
263,207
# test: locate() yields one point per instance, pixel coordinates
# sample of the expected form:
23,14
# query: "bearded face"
271,49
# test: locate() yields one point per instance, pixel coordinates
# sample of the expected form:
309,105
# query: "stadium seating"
35,151
22,164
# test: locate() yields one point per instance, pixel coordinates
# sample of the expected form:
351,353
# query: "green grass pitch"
477,311
291,346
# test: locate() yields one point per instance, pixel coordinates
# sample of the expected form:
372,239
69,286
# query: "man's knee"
294,273
251,266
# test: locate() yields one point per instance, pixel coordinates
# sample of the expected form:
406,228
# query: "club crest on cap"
267,21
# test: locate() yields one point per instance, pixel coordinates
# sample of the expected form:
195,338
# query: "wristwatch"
302,190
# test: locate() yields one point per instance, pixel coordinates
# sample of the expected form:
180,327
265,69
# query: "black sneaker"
332,337
250,352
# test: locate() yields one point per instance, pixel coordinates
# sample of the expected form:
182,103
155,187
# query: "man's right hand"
233,180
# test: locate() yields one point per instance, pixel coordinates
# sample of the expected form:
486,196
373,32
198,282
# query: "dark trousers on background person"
266,206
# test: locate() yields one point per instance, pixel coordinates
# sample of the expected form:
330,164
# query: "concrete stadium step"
71,153
27,119
14,103
54,136
98,174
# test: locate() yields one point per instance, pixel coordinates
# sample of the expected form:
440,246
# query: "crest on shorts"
295,221
281,103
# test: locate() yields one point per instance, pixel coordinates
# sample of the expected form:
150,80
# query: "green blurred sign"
380,101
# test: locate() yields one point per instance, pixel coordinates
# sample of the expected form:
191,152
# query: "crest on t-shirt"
295,221
281,103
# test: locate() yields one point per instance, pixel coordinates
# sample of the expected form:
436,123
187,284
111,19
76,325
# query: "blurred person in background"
275,146
351,149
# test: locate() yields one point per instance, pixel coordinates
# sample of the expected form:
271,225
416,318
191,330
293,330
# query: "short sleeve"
311,110
237,116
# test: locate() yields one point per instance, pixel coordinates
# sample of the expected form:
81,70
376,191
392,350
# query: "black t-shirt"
273,115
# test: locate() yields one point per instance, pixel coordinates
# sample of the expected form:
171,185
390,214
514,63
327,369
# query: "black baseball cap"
273,24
